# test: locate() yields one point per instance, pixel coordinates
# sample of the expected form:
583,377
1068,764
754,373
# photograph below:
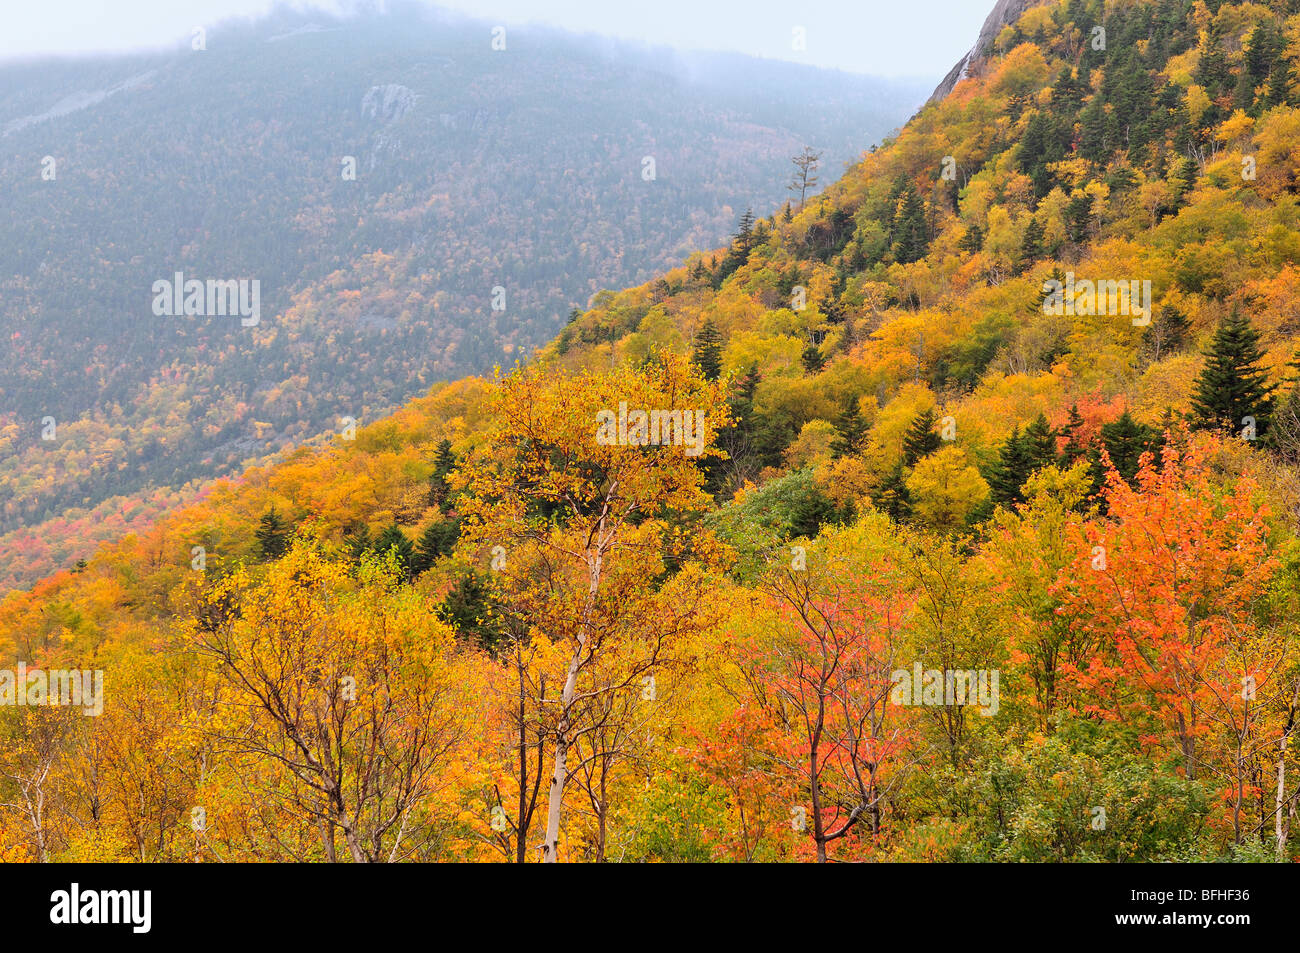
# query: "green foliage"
437,541
707,352
1234,385
273,536
921,439
850,431
467,609
395,541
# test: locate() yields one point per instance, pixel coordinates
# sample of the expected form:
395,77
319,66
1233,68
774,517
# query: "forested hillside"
989,553
418,198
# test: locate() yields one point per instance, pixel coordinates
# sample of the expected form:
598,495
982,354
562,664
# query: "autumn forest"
949,511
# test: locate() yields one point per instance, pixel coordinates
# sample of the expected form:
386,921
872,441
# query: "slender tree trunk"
602,814
555,797
1279,825
819,834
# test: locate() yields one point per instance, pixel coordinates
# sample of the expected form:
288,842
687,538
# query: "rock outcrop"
1004,13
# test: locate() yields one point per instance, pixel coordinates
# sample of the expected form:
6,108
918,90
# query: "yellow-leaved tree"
580,498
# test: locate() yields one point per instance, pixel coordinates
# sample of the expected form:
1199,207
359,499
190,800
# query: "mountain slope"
920,451
380,177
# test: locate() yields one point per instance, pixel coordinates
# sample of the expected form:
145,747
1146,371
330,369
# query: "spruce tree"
444,461
438,540
357,542
893,498
1074,449
920,440
812,359
467,609
1168,333
910,231
1031,244
393,539
810,513
1233,384
272,536
742,246
707,354
850,430
1040,444
1093,131
1185,177
1284,428
1125,441
1011,470
1280,81
973,239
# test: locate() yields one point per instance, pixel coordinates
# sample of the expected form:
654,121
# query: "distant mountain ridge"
415,204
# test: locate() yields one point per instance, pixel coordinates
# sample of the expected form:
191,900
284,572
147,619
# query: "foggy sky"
916,38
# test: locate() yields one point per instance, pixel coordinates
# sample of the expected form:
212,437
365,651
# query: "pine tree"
1233,384
272,536
707,354
1011,470
920,440
1040,444
438,540
467,609
1031,244
444,461
812,359
893,498
1125,441
1074,449
850,430
393,539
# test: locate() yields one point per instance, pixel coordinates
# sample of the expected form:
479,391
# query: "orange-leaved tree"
1166,587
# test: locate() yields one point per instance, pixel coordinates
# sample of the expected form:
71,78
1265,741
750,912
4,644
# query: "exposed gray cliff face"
1004,13
388,103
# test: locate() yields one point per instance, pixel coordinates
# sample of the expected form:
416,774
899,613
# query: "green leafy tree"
444,461
1125,441
393,539
438,540
920,440
707,354
273,536
850,431
1233,385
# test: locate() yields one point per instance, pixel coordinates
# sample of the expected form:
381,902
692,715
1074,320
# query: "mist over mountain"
413,203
